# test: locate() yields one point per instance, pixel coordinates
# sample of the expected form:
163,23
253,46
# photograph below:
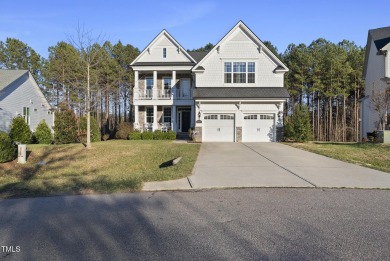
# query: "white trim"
240,25
162,33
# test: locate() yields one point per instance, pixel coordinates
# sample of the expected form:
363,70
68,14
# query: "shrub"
147,135
170,135
20,131
7,148
297,126
123,130
135,135
42,134
95,130
159,135
65,126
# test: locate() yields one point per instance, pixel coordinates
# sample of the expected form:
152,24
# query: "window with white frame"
149,83
149,114
167,114
239,72
164,52
26,114
167,83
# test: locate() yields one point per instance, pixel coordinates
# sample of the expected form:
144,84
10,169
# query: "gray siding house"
376,74
21,96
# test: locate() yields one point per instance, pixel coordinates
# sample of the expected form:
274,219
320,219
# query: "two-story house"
376,73
20,96
233,93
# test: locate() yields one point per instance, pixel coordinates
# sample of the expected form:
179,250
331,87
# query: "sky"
43,23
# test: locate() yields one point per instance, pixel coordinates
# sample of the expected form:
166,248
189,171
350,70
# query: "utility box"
22,153
383,136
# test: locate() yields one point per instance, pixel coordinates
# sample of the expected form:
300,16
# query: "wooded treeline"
325,76
63,77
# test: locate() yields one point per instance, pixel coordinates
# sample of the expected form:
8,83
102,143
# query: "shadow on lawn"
29,185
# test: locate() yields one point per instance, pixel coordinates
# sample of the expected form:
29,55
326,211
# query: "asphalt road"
235,224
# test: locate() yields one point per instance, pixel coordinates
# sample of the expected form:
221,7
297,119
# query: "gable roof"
9,76
245,29
161,34
198,56
380,37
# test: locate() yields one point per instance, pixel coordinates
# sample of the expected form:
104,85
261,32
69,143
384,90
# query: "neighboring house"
233,93
21,96
376,73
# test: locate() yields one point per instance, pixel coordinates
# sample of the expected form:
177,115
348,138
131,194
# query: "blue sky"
43,23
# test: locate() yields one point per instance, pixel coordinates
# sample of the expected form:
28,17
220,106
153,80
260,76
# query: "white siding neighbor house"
21,96
234,93
376,74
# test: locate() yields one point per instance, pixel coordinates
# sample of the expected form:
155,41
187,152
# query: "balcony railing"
156,94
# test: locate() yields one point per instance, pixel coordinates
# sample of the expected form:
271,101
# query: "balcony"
156,94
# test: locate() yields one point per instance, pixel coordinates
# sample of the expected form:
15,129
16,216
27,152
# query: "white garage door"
218,127
258,128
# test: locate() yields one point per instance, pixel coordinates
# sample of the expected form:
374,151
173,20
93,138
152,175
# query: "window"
251,72
242,72
211,117
266,116
228,72
250,117
149,115
239,72
226,117
167,114
167,83
149,83
26,114
164,52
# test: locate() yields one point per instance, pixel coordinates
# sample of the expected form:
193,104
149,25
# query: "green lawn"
111,166
375,156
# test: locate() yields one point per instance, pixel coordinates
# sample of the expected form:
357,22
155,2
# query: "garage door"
218,127
258,128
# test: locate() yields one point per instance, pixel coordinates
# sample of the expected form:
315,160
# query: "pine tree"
65,126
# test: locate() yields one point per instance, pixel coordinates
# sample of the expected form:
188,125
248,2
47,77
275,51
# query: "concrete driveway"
271,165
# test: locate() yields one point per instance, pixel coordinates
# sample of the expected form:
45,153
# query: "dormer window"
164,52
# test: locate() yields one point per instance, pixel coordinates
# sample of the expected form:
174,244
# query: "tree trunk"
88,111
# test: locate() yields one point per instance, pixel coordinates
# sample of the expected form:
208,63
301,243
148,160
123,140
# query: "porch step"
182,136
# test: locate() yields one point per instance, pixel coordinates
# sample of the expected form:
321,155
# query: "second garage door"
258,128
218,127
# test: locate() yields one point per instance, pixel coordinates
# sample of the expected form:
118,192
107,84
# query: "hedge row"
156,135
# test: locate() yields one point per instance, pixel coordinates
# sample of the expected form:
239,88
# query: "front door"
184,121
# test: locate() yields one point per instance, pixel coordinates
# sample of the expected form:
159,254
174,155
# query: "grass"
375,156
111,166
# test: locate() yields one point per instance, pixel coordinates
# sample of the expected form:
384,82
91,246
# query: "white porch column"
136,121
136,90
193,116
173,84
155,123
173,116
154,85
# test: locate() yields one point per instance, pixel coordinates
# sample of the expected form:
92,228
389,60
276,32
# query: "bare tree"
88,47
380,102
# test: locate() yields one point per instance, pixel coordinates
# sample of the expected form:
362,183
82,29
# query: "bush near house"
42,134
297,127
159,135
95,130
171,135
65,126
20,131
123,130
135,135
8,148
147,135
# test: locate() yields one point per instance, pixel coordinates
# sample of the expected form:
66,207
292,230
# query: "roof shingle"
241,92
